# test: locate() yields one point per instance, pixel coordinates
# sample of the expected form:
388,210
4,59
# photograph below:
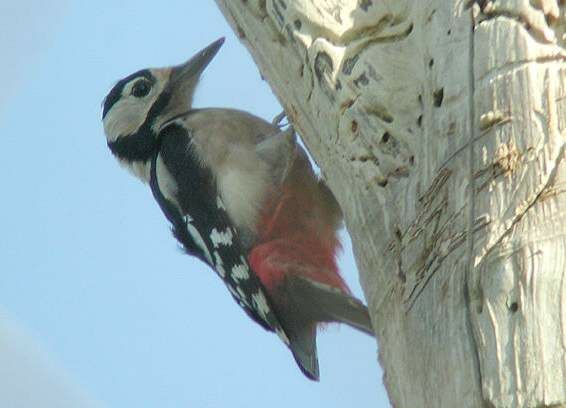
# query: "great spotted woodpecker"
241,196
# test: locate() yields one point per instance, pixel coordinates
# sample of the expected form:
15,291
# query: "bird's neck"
140,169
139,146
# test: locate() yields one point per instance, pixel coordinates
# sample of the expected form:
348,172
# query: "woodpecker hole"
410,29
354,126
398,234
385,138
420,120
298,24
514,307
431,63
438,96
361,80
448,32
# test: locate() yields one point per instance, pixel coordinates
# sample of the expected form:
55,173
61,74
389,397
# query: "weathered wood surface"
440,127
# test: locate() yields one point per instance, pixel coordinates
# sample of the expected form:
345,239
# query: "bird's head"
138,105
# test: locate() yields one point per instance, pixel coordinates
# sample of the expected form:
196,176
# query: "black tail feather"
303,346
330,304
312,303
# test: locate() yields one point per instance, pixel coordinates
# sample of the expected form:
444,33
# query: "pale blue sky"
94,293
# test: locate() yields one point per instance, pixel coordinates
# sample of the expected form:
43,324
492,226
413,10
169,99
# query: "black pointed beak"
193,68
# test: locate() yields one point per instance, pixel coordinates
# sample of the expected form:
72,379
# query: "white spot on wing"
221,237
241,293
220,203
260,304
245,302
195,235
241,271
234,292
219,265
282,335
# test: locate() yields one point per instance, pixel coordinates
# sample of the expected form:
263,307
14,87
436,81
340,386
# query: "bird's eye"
141,88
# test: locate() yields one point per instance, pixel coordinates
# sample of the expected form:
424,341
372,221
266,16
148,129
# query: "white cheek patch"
125,118
129,113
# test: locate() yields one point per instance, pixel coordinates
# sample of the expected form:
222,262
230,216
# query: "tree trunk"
440,127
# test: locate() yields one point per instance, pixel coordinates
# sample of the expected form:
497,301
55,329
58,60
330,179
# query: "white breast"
139,169
243,192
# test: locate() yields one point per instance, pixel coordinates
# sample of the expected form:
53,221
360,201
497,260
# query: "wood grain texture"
440,127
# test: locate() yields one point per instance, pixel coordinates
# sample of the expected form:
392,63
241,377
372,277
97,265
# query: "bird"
241,195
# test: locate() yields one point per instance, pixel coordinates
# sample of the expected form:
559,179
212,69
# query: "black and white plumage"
149,130
200,222
241,196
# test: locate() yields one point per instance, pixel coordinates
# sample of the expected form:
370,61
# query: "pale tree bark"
440,127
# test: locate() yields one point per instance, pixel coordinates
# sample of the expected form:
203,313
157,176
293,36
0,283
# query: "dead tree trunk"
440,127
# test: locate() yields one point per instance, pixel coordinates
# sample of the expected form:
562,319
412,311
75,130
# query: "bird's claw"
278,119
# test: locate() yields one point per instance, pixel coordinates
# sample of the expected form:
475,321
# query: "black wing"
203,226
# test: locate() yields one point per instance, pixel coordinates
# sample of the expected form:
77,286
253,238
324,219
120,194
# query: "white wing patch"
260,304
234,293
282,335
219,265
221,237
242,296
220,203
241,271
195,235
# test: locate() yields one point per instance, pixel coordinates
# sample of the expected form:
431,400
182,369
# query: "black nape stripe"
116,91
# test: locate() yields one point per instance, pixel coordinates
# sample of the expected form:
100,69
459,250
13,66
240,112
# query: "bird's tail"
300,298
319,303
330,304
302,342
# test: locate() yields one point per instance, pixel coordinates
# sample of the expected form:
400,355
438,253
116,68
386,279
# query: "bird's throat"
140,146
